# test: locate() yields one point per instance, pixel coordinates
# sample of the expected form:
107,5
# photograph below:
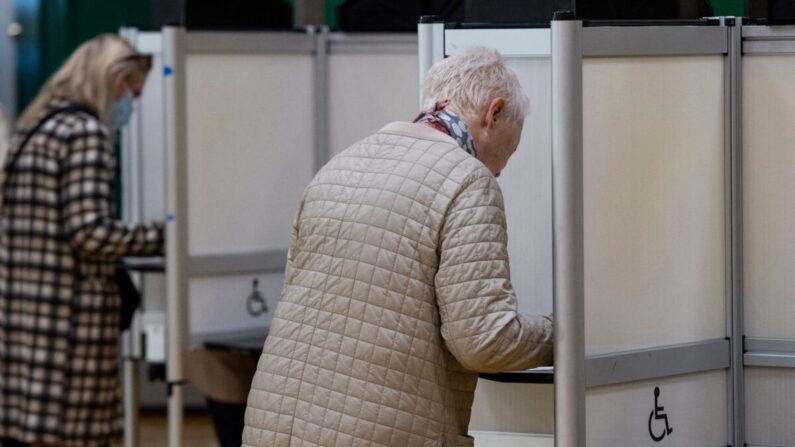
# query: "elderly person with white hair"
398,289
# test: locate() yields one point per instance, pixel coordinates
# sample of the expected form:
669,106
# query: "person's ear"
495,112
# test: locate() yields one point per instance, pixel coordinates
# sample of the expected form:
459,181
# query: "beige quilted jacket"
397,293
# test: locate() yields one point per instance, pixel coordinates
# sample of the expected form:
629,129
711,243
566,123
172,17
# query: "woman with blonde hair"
59,246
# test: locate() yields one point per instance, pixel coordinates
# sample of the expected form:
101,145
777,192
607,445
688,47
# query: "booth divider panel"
367,91
654,202
768,203
624,415
513,408
250,149
220,304
152,180
527,190
770,406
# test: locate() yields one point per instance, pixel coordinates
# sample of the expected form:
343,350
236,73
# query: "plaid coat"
59,304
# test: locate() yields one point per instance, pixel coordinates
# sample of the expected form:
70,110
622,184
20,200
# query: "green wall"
54,28
728,7
721,8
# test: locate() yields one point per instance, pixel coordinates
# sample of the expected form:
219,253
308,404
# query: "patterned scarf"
444,120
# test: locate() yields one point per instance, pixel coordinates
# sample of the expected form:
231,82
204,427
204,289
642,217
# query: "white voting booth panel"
227,297
250,156
654,142
769,182
654,202
769,239
143,157
372,80
695,406
250,149
251,122
653,157
770,406
527,190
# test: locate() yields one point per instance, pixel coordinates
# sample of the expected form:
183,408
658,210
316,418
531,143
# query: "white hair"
470,80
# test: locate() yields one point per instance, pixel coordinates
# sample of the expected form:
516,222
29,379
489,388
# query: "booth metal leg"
567,199
131,377
176,416
176,226
430,41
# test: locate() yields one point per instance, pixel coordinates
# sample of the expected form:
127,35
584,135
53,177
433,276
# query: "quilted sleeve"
86,196
477,304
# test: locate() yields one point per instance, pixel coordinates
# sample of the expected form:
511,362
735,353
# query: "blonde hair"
86,78
470,80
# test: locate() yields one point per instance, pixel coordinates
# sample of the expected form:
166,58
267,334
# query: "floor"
198,430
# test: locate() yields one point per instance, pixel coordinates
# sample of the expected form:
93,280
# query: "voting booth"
637,164
230,129
768,164
648,207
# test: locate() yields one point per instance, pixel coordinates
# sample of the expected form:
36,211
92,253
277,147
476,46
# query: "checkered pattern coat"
397,293
59,304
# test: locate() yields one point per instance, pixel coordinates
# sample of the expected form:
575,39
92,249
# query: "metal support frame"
176,226
639,41
734,231
8,54
368,43
242,43
770,352
430,43
768,39
637,365
131,211
666,361
272,261
615,41
606,41
568,236
322,152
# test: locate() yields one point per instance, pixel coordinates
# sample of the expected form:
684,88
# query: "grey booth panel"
247,169
654,155
770,406
768,181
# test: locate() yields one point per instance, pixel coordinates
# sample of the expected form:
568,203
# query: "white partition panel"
654,201
513,408
227,296
144,159
694,404
367,91
527,189
769,203
251,148
152,181
770,406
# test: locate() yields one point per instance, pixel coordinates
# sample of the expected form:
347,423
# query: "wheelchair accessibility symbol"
656,415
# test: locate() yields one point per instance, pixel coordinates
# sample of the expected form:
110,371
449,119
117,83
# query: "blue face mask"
121,111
